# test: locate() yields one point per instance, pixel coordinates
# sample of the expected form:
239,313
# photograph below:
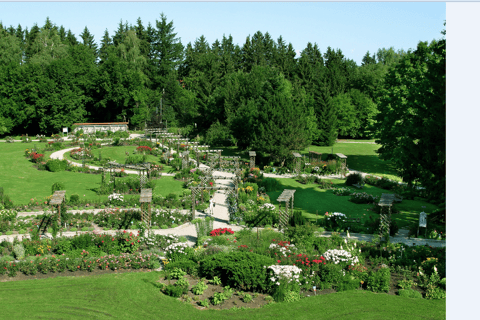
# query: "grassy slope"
21,181
136,296
310,199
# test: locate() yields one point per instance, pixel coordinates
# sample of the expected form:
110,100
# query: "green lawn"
22,182
136,296
361,157
118,154
310,200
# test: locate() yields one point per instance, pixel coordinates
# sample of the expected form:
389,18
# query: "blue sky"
353,27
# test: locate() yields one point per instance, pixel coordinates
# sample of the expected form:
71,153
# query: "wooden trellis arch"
286,196
145,206
297,163
252,155
386,201
343,163
57,198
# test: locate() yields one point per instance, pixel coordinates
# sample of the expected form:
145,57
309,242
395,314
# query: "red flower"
278,261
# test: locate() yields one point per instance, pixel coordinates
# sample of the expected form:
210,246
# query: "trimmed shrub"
354,178
74,198
243,270
57,165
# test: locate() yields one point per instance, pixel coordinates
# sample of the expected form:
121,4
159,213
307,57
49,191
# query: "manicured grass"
361,157
118,154
310,200
137,296
22,182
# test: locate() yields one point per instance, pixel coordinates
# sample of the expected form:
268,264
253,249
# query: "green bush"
56,165
244,270
74,198
174,291
199,288
57,186
354,178
19,251
330,274
379,281
410,293
175,272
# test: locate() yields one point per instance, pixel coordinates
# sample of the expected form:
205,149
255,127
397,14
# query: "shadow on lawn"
314,202
370,164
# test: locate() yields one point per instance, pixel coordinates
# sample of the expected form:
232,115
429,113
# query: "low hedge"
243,270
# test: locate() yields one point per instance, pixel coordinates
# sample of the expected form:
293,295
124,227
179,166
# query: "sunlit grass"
137,296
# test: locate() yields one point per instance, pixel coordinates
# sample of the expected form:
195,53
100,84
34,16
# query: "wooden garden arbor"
142,169
343,163
386,201
57,198
252,155
286,196
297,162
145,206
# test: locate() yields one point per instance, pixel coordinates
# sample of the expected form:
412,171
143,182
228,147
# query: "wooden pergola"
286,196
145,206
185,159
252,155
297,162
143,171
343,160
386,201
57,198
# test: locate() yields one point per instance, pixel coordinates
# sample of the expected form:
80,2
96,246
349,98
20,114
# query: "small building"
101,126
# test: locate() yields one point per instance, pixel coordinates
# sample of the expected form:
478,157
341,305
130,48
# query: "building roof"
100,123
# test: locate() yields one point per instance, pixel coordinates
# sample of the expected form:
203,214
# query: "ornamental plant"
362,197
128,242
199,288
339,256
144,149
335,221
284,279
220,231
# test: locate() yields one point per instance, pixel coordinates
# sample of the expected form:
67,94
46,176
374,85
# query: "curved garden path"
220,213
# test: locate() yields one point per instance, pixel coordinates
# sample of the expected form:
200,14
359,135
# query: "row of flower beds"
296,263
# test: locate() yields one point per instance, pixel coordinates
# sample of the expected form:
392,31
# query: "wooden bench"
359,185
